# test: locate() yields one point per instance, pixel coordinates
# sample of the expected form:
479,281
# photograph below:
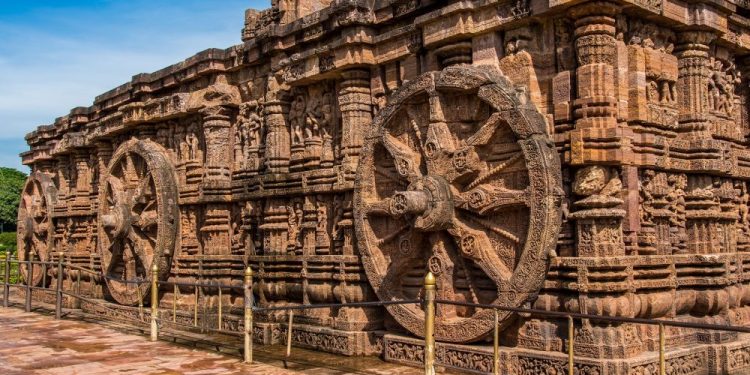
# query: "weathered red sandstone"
574,156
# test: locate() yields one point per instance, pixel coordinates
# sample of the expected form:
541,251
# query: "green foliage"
11,185
8,242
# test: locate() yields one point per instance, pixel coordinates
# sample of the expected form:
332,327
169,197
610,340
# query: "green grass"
8,243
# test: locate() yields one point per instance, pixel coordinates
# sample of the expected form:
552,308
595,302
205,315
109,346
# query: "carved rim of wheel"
458,178
137,218
35,233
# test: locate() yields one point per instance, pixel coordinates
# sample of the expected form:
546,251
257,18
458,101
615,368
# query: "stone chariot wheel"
35,228
458,178
137,218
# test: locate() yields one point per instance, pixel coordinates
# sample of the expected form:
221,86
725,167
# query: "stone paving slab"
37,344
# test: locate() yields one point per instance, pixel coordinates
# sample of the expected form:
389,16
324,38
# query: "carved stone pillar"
216,130
455,54
598,216
277,130
63,173
275,228
104,155
216,230
692,82
83,182
355,104
595,44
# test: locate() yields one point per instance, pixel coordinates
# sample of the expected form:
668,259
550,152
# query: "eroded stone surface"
38,344
570,156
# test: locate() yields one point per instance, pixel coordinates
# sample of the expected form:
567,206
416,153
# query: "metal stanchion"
220,310
289,334
571,367
6,286
248,329
429,324
29,277
140,299
44,275
195,308
154,301
58,288
662,344
174,303
496,346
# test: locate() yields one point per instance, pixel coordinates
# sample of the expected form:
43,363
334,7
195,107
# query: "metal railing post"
248,328
154,301
496,346
174,303
662,344
6,286
289,334
29,277
220,310
140,298
58,287
571,332
195,308
429,324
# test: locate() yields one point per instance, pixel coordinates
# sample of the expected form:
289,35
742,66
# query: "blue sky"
57,54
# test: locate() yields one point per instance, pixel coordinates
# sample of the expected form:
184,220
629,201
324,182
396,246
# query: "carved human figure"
240,138
296,119
338,215
652,91
254,125
193,143
295,216
742,207
646,197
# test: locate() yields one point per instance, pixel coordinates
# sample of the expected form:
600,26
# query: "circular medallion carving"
464,173
137,218
35,231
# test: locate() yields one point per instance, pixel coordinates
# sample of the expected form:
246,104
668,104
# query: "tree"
11,185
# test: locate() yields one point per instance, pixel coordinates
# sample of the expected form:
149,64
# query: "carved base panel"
733,358
319,338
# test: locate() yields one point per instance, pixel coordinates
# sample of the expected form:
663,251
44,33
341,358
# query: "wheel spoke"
486,199
486,131
476,245
407,161
442,265
495,171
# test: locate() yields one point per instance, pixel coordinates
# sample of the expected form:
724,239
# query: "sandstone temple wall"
576,156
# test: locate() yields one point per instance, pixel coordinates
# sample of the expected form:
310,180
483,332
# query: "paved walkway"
32,343
36,343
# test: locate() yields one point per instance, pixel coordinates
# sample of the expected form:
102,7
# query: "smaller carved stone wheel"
458,178
35,229
137,218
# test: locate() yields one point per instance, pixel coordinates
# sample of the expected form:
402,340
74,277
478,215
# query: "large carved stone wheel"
35,228
137,218
458,178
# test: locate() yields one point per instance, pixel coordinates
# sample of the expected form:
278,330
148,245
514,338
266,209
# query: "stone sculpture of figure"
742,207
241,135
295,215
296,119
652,91
253,125
338,215
647,198
716,87
326,116
193,143
181,143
